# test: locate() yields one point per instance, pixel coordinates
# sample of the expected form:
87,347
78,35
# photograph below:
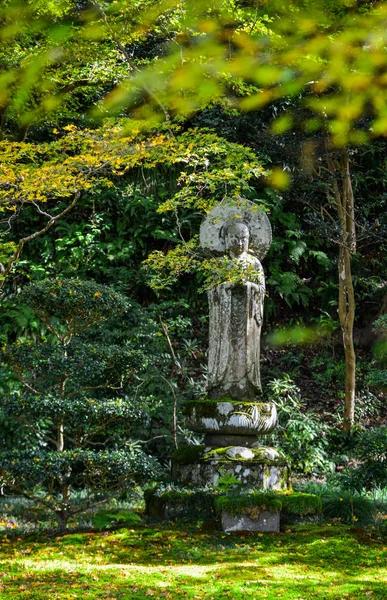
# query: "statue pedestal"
254,468
232,446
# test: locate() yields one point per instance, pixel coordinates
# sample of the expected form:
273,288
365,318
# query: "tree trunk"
342,186
346,318
62,517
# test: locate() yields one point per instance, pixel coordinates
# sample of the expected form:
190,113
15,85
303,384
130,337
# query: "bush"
75,401
300,435
348,507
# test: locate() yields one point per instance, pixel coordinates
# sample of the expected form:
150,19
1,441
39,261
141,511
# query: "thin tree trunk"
346,318
344,198
62,517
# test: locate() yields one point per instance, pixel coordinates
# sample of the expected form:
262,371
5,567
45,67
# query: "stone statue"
233,417
236,309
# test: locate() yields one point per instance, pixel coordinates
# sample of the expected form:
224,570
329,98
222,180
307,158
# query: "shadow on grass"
172,562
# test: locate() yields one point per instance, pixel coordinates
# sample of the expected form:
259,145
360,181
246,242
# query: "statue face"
237,238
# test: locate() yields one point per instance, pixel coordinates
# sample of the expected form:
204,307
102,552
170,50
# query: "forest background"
122,124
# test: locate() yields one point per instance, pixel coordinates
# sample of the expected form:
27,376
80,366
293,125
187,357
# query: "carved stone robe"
236,314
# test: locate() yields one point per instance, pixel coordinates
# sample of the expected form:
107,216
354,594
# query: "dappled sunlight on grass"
174,562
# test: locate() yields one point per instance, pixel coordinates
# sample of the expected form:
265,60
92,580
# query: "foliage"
75,401
368,468
330,53
372,450
377,377
300,435
104,517
344,505
203,169
79,304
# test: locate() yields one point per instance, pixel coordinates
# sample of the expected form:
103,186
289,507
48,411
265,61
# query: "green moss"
195,454
211,401
294,503
326,561
251,504
220,454
172,502
301,504
189,454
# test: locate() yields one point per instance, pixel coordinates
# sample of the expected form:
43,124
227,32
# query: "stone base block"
255,468
180,504
265,521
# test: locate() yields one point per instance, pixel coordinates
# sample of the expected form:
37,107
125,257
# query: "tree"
75,400
330,54
82,162
345,207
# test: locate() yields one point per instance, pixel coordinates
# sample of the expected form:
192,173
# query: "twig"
16,255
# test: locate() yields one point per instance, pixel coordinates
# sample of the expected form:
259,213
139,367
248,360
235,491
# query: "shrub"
300,435
74,400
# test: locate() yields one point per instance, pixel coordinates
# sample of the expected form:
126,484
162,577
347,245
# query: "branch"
322,209
134,444
41,211
22,380
35,429
16,255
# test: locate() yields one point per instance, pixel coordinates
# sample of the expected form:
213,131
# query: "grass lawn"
176,561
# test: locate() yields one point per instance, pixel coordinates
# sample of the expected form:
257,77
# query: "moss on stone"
189,454
252,504
175,500
220,454
195,454
172,502
297,503
294,503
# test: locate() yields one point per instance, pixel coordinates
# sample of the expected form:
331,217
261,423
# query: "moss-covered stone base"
171,504
207,503
255,468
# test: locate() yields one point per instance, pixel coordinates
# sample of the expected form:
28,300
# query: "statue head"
237,236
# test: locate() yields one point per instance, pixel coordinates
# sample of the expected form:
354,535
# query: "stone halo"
238,210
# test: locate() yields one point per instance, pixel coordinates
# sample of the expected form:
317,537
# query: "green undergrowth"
362,509
19,516
176,561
